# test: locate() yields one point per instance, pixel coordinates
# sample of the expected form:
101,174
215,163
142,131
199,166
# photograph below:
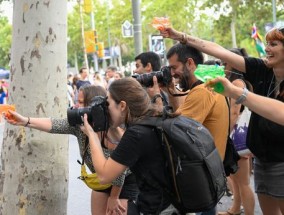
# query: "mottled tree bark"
34,174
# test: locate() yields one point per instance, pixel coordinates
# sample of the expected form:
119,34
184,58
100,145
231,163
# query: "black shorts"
129,190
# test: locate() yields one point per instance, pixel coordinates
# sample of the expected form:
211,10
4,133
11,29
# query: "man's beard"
183,80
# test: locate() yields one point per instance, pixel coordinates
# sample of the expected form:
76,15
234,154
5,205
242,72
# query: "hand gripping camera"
97,114
164,77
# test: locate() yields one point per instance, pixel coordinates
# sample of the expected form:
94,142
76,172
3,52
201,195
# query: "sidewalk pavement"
79,196
79,193
226,202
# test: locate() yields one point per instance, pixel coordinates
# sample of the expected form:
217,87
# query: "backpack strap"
228,104
151,121
157,123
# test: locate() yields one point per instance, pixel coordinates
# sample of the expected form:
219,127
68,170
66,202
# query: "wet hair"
184,52
239,51
275,34
137,100
236,74
90,91
150,57
213,62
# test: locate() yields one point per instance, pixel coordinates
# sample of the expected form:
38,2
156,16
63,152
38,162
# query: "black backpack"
197,175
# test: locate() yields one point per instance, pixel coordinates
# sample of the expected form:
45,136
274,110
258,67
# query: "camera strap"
86,147
85,151
184,94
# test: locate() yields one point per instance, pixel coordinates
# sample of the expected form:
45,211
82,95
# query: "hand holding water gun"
228,87
207,73
12,117
160,23
4,110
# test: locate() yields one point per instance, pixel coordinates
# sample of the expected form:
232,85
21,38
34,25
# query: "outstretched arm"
208,47
235,108
43,124
269,108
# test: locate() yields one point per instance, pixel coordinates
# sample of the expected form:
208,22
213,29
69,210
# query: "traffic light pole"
95,57
137,27
83,37
108,34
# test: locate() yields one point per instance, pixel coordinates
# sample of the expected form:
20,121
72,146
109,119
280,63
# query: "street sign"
127,29
157,45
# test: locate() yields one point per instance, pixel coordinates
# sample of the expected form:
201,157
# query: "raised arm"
42,124
269,108
235,108
207,47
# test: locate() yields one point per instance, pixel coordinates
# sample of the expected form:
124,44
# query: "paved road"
226,202
79,193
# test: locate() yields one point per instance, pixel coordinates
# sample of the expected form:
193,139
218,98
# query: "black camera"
164,77
97,114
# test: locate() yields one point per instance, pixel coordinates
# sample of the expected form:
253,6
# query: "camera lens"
97,114
74,116
164,77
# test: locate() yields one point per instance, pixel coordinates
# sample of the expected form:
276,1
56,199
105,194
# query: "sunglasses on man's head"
281,29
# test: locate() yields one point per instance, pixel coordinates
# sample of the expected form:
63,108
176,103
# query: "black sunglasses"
281,29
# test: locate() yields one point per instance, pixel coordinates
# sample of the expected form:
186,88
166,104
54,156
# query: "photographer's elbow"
104,180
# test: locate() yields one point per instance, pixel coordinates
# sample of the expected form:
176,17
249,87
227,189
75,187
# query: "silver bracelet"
243,97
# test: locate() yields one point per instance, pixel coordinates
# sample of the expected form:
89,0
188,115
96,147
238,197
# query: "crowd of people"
129,153
75,81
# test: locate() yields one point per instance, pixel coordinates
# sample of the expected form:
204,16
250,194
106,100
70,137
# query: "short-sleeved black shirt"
265,138
140,149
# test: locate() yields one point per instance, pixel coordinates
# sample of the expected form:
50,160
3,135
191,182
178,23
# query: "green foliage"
185,15
5,42
247,13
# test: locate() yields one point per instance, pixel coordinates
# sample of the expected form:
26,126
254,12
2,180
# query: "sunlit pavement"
226,202
79,193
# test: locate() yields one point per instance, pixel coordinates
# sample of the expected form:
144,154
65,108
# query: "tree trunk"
34,175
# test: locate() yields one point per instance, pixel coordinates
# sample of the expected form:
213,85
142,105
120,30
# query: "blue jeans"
210,212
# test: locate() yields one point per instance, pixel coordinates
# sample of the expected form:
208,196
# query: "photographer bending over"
139,148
